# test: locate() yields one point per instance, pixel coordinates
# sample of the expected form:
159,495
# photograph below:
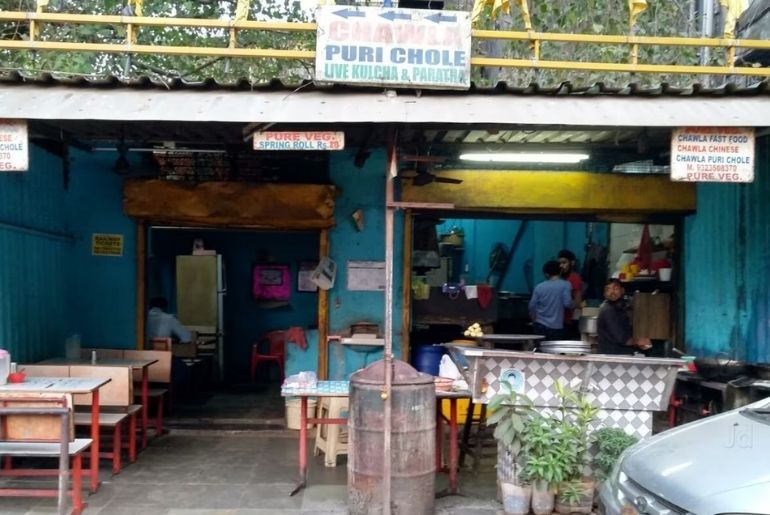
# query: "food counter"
626,389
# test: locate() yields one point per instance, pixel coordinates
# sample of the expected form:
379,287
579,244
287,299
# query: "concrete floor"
228,461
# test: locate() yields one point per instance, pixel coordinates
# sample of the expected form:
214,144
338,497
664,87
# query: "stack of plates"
565,347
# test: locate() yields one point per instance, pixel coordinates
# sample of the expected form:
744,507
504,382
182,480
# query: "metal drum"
413,441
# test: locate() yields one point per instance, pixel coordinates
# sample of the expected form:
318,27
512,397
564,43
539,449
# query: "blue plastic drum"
428,357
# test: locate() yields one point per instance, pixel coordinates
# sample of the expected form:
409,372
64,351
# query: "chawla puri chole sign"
14,146
397,47
712,154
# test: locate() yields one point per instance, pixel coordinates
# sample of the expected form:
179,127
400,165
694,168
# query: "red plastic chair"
276,351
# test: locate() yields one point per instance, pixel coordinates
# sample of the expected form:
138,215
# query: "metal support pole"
390,175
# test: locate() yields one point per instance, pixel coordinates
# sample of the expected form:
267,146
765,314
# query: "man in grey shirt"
165,325
549,300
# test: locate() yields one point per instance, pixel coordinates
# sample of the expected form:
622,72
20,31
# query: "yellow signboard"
107,244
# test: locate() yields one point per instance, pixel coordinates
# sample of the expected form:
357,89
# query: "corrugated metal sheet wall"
34,259
727,267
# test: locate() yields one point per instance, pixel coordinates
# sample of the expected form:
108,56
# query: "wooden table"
134,364
342,389
72,385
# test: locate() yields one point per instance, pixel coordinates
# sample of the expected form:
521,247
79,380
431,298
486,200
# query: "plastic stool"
332,439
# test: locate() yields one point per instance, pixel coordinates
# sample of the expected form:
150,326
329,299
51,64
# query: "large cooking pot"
588,324
720,367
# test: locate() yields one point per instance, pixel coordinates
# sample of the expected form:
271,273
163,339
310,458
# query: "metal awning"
37,102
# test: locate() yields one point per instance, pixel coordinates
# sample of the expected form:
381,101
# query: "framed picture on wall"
304,272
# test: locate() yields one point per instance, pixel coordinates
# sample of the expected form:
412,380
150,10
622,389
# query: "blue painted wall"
245,318
103,297
360,189
726,272
35,253
541,241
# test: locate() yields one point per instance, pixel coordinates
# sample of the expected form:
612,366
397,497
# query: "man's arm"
180,331
566,296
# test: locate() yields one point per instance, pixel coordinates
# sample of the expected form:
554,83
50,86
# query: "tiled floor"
210,470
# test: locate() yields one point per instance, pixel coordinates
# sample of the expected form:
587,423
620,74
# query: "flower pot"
584,505
542,498
516,498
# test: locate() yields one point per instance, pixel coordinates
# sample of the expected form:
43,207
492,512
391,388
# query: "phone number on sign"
716,168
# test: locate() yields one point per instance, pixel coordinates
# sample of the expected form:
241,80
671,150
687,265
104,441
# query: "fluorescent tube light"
524,157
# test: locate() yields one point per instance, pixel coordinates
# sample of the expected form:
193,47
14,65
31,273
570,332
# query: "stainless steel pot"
588,324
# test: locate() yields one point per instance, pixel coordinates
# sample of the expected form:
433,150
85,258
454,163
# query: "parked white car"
718,465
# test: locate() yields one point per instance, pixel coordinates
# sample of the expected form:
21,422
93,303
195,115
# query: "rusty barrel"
413,441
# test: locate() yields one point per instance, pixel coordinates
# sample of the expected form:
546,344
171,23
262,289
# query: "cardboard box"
184,350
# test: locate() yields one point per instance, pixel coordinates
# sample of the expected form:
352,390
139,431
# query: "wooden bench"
115,401
159,376
40,425
117,408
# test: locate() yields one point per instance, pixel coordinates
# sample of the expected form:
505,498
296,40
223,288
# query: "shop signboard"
107,245
381,46
712,154
14,146
299,140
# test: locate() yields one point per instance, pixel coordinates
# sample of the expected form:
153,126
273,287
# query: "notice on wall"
14,146
399,47
107,245
712,154
299,140
366,275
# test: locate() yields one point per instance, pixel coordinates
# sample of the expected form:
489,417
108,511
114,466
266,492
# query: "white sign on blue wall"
397,47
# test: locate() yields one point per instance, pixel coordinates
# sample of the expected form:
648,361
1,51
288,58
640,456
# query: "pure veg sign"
14,149
399,47
712,154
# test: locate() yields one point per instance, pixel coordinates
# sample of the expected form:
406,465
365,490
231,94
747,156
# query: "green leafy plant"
509,412
571,492
550,455
610,444
575,415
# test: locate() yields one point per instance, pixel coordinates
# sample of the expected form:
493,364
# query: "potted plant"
509,412
574,416
549,457
610,443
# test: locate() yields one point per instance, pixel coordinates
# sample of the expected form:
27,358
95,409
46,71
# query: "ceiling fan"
420,170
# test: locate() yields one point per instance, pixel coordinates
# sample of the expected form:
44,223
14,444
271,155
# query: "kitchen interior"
505,256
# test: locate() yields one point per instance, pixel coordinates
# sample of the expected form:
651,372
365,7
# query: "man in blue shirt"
165,325
549,300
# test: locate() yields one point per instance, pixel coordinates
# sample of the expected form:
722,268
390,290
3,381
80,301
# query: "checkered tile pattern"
322,389
612,386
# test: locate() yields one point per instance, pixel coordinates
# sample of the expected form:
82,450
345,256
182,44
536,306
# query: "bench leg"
132,438
77,485
159,417
116,449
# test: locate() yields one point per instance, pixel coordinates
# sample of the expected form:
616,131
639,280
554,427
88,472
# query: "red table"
71,385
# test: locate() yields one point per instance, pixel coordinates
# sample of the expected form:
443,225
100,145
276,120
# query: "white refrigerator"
200,293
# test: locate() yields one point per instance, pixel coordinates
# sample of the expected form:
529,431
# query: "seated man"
161,324
614,325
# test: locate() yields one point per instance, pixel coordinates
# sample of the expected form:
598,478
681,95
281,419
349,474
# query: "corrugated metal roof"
565,88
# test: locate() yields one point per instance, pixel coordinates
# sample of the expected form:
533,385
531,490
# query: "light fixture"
525,157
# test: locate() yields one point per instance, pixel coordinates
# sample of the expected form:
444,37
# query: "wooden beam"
527,192
406,290
141,283
323,314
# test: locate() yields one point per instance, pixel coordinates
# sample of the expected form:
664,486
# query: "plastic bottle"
5,366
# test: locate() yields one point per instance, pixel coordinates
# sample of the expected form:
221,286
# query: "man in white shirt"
165,325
